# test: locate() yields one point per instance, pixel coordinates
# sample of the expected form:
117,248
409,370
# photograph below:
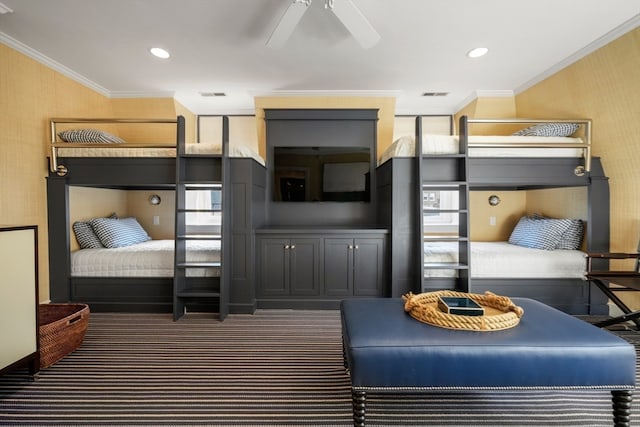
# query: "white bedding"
113,150
153,258
504,260
449,144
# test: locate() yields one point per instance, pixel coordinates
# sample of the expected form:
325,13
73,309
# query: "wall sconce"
494,200
154,199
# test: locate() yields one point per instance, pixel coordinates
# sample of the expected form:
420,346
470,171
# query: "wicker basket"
61,329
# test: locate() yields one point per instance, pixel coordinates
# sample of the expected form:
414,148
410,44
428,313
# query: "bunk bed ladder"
443,201
200,176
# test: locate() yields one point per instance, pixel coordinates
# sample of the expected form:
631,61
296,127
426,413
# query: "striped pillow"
549,129
116,233
89,136
537,233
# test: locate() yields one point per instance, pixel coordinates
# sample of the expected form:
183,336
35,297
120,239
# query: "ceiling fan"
345,11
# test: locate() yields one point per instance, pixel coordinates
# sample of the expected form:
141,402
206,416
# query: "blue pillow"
537,233
116,233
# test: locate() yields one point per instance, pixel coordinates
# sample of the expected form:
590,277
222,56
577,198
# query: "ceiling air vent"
211,94
435,94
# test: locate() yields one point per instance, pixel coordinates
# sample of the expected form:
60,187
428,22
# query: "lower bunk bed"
138,277
554,277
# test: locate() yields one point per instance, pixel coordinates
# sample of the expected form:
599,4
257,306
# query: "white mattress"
115,150
449,144
153,258
504,260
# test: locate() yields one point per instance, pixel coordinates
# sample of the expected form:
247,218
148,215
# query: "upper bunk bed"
155,156
90,152
485,155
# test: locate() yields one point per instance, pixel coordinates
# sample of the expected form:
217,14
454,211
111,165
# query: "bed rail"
62,170
585,145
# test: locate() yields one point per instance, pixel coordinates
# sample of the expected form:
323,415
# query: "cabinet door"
304,266
338,265
274,266
368,267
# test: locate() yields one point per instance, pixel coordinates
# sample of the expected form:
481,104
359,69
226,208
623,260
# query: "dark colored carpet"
271,368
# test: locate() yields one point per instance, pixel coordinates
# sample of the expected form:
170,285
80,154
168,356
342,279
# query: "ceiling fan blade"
287,23
356,23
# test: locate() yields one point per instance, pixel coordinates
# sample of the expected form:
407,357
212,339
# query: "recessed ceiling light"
159,52
477,52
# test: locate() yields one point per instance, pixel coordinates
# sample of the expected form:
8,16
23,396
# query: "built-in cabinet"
354,266
309,266
289,266
324,241
19,298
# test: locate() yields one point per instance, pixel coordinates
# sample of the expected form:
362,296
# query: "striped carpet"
273,368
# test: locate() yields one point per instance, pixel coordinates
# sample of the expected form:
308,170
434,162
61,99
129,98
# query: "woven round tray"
499,312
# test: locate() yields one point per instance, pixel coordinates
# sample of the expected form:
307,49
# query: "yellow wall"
386,111
30,95
87,203
553,203
603,86
512,206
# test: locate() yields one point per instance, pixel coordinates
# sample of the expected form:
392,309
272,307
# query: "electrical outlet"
492,221
156,220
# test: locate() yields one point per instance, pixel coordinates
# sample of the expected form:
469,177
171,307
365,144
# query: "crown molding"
134,94
617,32
56,66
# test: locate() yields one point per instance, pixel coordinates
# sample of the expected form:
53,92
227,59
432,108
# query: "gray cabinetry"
353,266
311,268
289,267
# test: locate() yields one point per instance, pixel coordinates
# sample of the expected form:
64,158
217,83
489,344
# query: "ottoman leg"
359,399
621,400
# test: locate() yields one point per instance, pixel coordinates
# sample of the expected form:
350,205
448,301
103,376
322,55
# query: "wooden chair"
628,280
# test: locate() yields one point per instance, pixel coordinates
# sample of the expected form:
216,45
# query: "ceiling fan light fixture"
288,23
5,9
353,19
159,52
477,52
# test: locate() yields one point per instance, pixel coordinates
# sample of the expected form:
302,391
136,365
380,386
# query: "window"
439,209
209,202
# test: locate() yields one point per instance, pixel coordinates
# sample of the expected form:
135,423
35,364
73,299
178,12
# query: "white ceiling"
219,46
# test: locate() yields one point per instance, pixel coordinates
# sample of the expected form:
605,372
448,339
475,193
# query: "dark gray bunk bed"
157,294
401,181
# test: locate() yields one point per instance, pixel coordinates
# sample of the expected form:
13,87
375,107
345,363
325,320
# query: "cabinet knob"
355,247
286,246
350,246
293,246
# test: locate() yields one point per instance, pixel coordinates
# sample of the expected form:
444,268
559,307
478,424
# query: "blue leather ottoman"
387,350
